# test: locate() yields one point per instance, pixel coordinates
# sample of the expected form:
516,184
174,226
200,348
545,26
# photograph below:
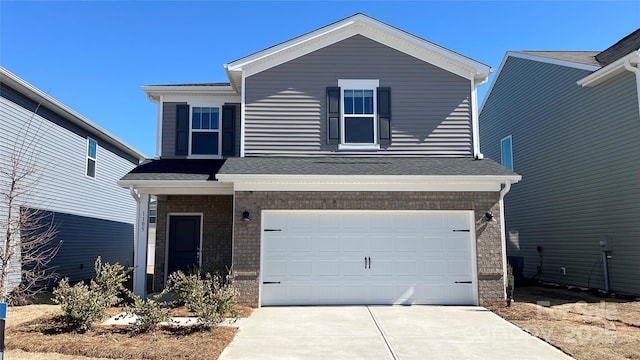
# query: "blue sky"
94,56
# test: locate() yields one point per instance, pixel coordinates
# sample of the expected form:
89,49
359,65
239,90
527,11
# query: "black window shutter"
228,130
182,130
384,115
333,115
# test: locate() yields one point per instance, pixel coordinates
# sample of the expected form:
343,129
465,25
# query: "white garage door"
368,257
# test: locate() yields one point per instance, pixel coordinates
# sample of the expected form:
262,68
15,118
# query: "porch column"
140,246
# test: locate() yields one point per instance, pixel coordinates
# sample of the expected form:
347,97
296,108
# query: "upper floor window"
506,153
92,157
205,131
359,114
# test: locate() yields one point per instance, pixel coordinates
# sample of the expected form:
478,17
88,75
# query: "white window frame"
87,158
218,131
510,154
359,84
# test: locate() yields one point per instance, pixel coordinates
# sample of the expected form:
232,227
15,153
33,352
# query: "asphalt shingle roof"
581,57
175,169
363,166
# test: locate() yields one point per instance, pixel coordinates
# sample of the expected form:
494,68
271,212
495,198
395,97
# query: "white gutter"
610,70
134,194
635,70
365,178
505,189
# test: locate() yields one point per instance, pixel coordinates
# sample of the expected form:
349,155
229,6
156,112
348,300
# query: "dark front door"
184,243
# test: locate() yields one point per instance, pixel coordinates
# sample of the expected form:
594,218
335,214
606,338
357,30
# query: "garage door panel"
329,268
322,257
275,268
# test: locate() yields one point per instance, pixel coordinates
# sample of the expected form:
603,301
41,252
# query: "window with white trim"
358,125
205,131
506,152
92,157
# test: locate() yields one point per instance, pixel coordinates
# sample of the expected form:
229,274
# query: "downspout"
134,194
503,234
634,69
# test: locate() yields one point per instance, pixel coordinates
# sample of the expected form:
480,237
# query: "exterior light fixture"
489,216
245,216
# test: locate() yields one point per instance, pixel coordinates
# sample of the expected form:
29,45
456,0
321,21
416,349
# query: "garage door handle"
461,230
271,282
464,282
369,262
365,262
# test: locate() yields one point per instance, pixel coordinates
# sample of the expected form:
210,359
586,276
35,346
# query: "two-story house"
569,122
339,167
67,169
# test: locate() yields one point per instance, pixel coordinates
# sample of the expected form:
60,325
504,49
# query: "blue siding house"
569,122
76,166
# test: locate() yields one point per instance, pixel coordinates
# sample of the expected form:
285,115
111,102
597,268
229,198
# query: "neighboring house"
77,166
568,121
339,167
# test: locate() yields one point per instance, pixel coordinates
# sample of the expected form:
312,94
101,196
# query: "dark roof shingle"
363,166
176,169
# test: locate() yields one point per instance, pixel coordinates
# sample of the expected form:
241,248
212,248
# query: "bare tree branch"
28,239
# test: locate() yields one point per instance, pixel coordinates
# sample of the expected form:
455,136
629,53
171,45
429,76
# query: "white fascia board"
365,183
155,91
399,186
533,58
610,70
368,27
359,179
201,99
164,187
67,113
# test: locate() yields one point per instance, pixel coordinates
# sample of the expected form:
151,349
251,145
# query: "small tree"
27,233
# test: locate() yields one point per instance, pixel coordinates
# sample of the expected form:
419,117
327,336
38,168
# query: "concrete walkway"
383,332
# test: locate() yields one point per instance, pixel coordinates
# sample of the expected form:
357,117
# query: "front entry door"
184,243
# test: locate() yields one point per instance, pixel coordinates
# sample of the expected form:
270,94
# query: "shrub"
149,312
81,306
208,297
110,280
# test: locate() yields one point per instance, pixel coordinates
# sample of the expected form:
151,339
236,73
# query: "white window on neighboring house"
92,157
205,131
506,152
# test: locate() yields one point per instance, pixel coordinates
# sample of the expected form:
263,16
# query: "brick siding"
246,246
217,229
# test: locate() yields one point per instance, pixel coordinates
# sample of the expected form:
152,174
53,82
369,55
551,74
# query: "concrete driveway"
383,332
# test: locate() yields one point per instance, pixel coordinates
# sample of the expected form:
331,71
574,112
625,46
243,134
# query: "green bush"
149,312
207,296
82,304
110,280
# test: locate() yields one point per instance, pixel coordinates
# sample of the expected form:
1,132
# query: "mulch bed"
50,335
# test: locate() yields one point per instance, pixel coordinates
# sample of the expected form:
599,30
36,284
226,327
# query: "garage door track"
383,332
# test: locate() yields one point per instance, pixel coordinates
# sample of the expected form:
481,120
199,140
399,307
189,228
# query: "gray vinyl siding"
169,129
577,151
285,110
57,150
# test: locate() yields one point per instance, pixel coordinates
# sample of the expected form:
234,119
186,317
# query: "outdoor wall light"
245,216
489,216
